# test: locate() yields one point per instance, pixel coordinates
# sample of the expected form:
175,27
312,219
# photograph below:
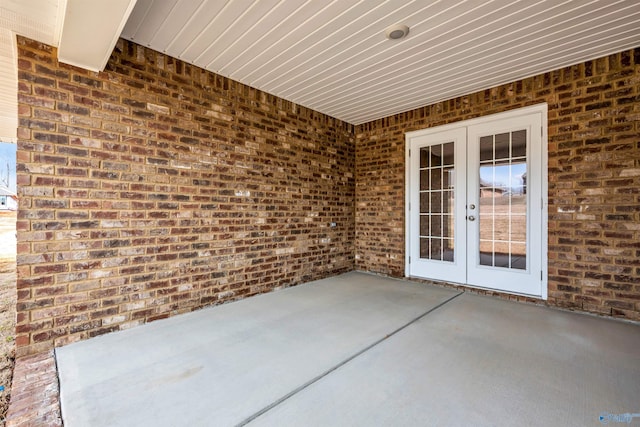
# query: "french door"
476,194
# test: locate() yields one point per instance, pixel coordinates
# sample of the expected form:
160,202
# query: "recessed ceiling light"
396,32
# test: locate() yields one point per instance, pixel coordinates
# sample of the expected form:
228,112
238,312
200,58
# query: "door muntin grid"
503,200
437,202
512,168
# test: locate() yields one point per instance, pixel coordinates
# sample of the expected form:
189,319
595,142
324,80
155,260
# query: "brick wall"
156,188
594,179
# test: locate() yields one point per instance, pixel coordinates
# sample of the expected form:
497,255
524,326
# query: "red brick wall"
156,188
594,179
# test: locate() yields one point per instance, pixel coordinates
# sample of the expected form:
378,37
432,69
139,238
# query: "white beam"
90,31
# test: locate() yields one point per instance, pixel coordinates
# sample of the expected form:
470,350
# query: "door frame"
541,109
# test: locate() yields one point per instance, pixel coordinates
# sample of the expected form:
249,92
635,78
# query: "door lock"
472,218
472,206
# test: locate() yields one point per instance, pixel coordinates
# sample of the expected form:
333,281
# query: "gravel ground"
7,307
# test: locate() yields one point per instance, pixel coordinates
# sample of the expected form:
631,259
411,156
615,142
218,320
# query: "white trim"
542,110
407,202
544,175
103,20
537,108
57,31
440,270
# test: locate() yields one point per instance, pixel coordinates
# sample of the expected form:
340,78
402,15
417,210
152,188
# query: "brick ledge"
35,396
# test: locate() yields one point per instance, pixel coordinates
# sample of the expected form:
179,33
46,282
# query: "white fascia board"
90,31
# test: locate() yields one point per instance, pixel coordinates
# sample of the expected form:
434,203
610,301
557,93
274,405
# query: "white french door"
476,194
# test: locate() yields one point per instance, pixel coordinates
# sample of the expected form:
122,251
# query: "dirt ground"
7,306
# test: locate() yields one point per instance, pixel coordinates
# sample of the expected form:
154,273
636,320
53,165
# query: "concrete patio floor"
357,349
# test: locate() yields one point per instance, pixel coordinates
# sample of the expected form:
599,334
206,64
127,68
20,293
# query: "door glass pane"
447,250
424,201
424,225
437,202
424,247
436,226
436,177
436,248
424,180
503,200
425,153
486,148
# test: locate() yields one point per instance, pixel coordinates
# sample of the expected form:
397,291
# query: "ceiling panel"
241,54
500,59
333,56
340,48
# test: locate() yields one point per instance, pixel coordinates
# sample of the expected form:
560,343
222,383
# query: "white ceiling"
333,57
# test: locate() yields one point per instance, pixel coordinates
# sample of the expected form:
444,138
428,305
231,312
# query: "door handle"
472,218
472,206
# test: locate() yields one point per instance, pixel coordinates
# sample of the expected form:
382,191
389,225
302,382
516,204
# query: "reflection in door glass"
503,200
436,202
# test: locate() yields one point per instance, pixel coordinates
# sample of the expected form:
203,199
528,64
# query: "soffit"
333,57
